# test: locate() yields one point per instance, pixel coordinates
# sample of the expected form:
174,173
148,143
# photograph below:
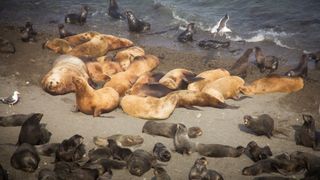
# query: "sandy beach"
23,71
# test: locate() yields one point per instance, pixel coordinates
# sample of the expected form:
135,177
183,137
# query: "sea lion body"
265,62
118,152
239,68
81,38
140,161
181,140
178,78
218,150
47,174
262,125
301,69
257,153
121,140
186,35
161,152
143,64
101,71
121,82
306,135
77,18
308,161
208,76
135,24
315,56
47,149
125,57
95,102
7,46
60,46
71,149
114,11
25,158
99,153
272,84
28,34
159,129
149,107
14,120
262,166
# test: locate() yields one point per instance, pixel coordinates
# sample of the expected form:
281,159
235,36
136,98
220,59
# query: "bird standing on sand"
221,26
11,100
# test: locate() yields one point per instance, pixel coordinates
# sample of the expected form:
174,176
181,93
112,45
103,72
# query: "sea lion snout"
246,119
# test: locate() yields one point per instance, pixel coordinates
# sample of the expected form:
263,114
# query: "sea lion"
305,136
135,24
77,18
114,11
207,44
125,57
7,46
199,171
118,152
60,46
14,120
160,174
178,78
187,34
301,69
58,80
121,82
71,149
25,158
161,152
63,169
3,173
99,153
99,45
272,84
32,132
262,125
265,62
28,33
149,107
181,140
62,32
94,102
208,76
47,174
257,153
121,140
315,56
218,150
81,38
140,161
239,68
101,71
47,149
194,132
143,64
228,87
308,161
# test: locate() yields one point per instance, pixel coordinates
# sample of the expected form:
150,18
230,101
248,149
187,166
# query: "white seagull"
221,26
11,100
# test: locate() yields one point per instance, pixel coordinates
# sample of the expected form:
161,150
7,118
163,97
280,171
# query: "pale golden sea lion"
149,107
81,38
101,71
95,102
58,80
125,57
273,83
121,82
57,45
228,87
143,64
177,78
210,75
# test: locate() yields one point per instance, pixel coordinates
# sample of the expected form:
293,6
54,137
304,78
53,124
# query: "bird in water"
11,100
221,27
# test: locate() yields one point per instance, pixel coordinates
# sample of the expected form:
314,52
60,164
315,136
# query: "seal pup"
25,158
125,57
273,178
207,44
94,102
14,120
239,68
178,79
265,62
118,152
161,152
32,132
181,140
149,107
71,149
77,18
194,132
114,11
218,150
140,161
47,174
3,173
272,84
256,153
135,24
48,149
301,69
100,153
199,171
308,161
7,46
62,32
11,100
28,34
160,174
153,128
262,125
121,140
315,56
186,35
305,136
221,26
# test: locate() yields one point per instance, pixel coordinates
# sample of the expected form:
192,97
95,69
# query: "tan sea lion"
57,45
95,102
58,80
121,82
228,87
125,57
210,75
101,71
178,78
81,38
149,107
273,83
143,64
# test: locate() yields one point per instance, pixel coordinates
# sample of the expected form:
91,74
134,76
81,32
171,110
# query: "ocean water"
292,24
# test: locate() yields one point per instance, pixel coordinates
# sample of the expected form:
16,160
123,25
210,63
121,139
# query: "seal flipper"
222,105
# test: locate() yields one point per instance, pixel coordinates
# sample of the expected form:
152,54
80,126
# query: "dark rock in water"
207,44
25,158
140,162
161,152
71,149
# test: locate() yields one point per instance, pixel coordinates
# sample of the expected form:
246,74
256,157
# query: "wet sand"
23,71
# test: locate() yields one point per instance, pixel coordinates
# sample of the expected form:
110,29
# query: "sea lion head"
252,144
194,132
247,119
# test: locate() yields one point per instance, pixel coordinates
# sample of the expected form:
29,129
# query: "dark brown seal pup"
160,174
207,44
47,149
77,18
194,132
71,149
6,46
161,152
301,69
315,56
99,153
63,33
309,161
305,136
262,125
121,140
140,161
257,153
181,140
135,24
3,173
25,158
32,132
265,62
118,152
199,171
239,68
14,120
187,35
114,11
28,33
218,150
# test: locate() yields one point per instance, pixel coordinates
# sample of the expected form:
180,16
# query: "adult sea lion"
178,78
239,68
125,57
256,153
81,38
102,70
161,152
77,18
121,82
143,64
265,62
273,83
57,45
135,24
187,34
218,150
301,69
94,102
140,161
25,158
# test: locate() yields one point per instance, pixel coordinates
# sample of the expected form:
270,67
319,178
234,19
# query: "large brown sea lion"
149,107
81,38
125,57
102,70
58,80
121,82
273,83
210,75
57,45
178,78
95,102
143,64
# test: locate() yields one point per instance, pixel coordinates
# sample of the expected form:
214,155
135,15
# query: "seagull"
11,100
221,26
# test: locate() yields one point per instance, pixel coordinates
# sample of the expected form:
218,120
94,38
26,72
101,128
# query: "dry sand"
221,126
